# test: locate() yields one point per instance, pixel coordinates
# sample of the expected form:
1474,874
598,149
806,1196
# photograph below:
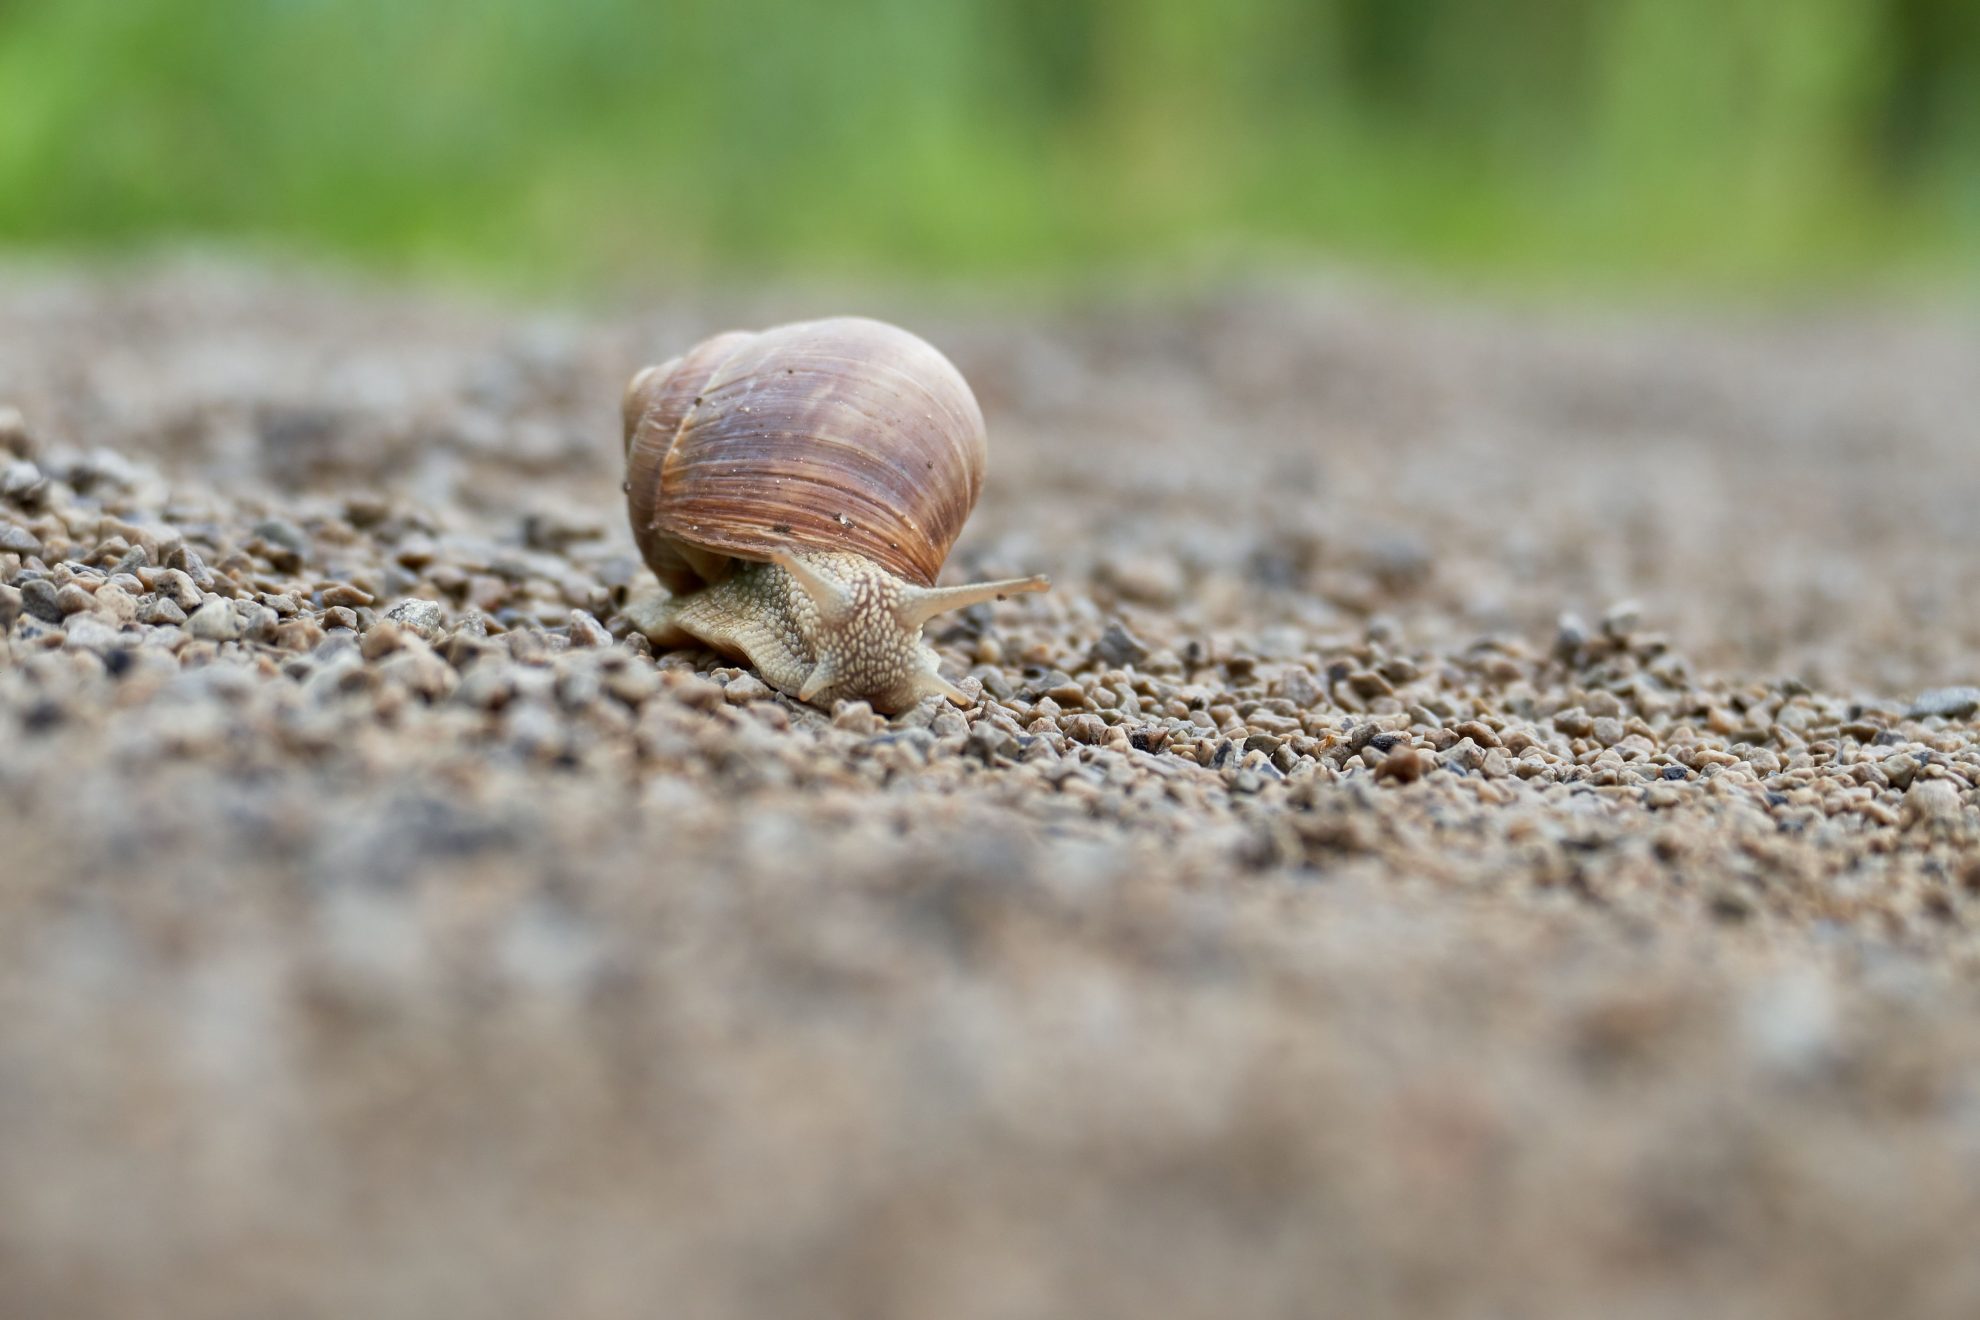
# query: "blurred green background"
532,141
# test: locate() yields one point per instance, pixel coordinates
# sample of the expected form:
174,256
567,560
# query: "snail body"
797,491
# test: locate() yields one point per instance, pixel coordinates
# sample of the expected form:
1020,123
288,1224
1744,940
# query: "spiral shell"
838,435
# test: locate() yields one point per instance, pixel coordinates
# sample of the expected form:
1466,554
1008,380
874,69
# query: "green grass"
591,141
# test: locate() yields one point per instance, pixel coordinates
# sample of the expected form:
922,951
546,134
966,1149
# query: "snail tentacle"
920,604
821,677
826,594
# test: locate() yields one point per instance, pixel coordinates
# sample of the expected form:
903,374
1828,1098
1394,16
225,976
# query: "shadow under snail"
797,491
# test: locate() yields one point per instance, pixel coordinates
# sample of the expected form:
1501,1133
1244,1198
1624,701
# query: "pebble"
1063,690
421,617
1297,686
467,644
112,599
1953,703
745,688
987,741
1402,764
189,563
38,598
1150,579
1899,768
1089,729
1570,636
585,630
215,621
1118,648
281,532
416,552
71,598
174,585
344,595
1622,619
161,610
486,686
19,540
1930,802
1368,684
381,639
86,632
853,716
15,438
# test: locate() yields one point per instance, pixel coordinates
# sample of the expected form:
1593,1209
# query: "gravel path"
1487,823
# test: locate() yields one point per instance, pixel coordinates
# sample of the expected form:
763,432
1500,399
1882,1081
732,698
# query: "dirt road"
1487,823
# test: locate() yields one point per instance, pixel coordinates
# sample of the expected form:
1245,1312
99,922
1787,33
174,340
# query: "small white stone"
1930,801
423,617
215,621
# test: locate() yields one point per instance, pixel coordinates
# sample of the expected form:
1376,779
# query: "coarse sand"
1486,824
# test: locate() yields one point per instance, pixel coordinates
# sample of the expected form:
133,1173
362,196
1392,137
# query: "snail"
797,491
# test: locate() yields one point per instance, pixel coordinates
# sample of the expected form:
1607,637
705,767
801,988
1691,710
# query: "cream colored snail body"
797,490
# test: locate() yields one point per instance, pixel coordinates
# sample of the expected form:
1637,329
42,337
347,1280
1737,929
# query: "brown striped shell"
837,435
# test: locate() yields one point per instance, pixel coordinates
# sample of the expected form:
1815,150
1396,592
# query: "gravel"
1310,906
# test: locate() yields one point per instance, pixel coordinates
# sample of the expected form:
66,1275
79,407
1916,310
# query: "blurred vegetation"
1740,140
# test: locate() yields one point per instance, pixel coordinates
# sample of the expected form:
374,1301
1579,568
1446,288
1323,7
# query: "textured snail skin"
819,626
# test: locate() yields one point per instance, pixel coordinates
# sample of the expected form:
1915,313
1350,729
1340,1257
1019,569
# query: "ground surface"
1308,920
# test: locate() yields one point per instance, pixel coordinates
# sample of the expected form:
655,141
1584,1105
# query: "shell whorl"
841,435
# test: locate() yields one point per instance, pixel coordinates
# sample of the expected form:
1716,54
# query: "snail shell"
843,435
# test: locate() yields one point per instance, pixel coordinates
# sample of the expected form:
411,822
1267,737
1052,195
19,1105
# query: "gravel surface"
1487,823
